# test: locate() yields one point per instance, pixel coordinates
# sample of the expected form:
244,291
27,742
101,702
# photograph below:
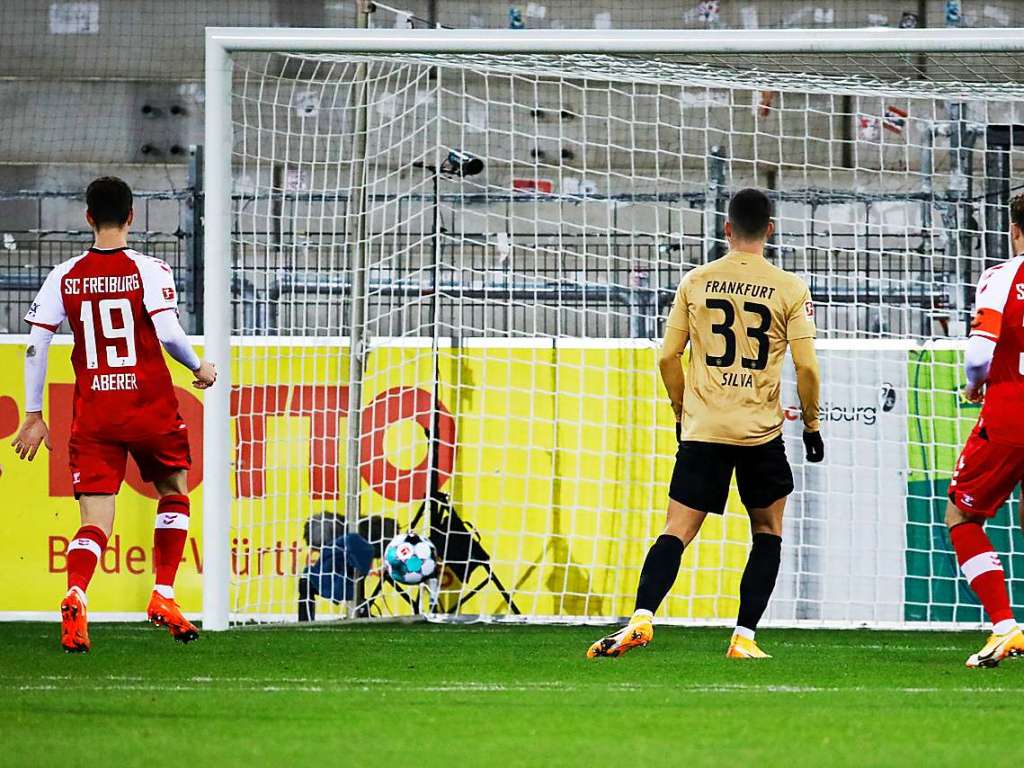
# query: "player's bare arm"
670,364
808,387
206,375
677,336
33,433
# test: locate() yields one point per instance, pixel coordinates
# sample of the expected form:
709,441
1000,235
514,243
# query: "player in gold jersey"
738,314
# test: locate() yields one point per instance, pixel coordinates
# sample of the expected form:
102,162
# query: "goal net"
449,273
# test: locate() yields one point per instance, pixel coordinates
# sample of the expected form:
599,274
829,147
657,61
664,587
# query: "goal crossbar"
568,41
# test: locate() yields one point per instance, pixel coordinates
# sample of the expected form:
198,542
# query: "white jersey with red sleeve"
123,389
999,317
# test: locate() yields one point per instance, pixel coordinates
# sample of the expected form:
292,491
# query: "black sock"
659,573
759,579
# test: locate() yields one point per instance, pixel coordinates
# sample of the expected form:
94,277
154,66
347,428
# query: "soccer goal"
438,264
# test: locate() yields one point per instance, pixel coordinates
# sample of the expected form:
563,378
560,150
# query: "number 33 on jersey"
122,385
740,312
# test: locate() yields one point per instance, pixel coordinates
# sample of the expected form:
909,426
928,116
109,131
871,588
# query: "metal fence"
599,284
164,228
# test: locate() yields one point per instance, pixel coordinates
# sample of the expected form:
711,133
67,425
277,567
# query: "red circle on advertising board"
389,407
8,416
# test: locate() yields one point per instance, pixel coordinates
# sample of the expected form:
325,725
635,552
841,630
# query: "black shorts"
703,472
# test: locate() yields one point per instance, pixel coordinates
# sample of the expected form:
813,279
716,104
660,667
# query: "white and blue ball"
410,559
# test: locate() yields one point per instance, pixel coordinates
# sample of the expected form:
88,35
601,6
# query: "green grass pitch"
434,695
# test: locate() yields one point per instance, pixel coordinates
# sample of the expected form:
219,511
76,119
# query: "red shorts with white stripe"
986,474
98,465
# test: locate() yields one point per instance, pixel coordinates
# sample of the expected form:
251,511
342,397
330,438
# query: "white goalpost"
437,268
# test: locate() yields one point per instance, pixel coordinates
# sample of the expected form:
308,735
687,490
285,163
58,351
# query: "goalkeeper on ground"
738,314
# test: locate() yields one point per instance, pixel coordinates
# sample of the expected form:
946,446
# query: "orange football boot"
743,648
74,626
167,613
997,648
637,634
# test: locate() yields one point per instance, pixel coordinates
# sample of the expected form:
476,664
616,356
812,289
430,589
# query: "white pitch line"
270,685
867,647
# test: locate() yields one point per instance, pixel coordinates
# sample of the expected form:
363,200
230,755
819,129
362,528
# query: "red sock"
982,569
84,552
169,538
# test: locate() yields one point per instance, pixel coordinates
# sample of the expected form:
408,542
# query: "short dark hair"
109,201
750,211
1017,211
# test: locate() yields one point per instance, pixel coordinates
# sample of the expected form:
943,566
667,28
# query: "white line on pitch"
271,685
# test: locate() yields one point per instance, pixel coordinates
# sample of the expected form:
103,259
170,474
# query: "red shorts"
986,474
98,465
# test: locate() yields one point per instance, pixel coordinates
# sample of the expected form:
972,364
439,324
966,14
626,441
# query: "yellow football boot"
743,648
636,634
997,648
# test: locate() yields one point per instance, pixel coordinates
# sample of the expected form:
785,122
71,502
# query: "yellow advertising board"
558,456
42,514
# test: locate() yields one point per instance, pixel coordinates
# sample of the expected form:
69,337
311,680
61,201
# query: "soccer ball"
410,559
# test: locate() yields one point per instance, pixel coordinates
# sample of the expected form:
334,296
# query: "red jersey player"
121,307
992,462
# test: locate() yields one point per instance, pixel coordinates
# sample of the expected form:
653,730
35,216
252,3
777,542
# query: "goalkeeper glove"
815,446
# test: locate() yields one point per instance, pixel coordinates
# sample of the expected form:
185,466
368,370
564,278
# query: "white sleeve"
47,310
986,326
36,355
158,292
172,337
978,359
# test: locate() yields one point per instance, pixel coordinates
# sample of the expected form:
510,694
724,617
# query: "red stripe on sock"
970,540
82,562
173,503
169,543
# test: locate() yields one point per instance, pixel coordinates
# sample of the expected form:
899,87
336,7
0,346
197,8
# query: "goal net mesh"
507,233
